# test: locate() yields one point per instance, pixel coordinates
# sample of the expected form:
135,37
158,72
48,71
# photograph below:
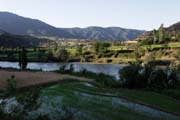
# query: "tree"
61,55
133,77
161,34
154,36
80,49
96,47
103,47
23,58
157,79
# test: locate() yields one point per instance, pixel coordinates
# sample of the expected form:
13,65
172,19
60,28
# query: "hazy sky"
137,14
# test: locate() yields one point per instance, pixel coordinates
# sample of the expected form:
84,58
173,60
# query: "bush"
107,80
11,85
158,79
153,78
103,79
62,69
133,77
61,55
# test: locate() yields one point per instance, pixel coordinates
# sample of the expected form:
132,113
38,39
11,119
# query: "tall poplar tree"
23,58
161,34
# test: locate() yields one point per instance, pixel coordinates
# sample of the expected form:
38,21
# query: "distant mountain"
13,41
100,33
2,32
15,24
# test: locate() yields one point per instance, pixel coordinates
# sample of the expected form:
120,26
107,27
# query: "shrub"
23,61
109,61
158,79
61,55
62,69
132,77
11,85
107,80
71,68
29,100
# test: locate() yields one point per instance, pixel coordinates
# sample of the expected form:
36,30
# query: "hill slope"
100,33
170,33
13,41
15,24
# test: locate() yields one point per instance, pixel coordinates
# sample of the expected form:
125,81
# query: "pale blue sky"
137,14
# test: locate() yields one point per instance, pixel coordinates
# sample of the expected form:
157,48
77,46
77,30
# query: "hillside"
19,25
169,33
13,41
100,33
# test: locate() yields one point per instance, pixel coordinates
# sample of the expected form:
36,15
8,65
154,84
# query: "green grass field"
94,107
150,98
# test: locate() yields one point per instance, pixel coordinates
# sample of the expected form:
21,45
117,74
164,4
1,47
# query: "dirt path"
27,78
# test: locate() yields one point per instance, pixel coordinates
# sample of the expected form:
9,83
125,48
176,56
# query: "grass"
119,48
94,107
150,98
72,51
169,45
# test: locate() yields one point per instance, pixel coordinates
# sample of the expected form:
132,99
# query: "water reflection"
109,69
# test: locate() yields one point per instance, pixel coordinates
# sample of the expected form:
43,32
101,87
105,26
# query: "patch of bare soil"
27,78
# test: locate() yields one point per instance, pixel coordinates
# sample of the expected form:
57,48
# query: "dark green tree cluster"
158,35
23,61
79,49
162,36
101,47
138,77
61,55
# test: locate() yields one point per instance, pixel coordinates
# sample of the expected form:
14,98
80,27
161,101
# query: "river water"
109,69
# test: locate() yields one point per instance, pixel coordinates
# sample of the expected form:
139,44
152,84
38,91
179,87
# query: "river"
109,69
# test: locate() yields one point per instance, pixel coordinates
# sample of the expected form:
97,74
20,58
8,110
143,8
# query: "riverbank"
28,79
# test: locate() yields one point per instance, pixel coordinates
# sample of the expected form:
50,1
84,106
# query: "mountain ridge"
19,25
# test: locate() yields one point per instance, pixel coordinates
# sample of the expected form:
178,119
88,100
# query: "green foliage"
23,59
161,34
96,47
158,79
62,69
150,58
43,117
103,79
133,77
29,100
3,114
71,68
79,49
11,85
50,55
101,47
155,36
61,55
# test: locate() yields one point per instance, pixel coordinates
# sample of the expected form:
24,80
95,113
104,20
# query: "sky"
134,14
